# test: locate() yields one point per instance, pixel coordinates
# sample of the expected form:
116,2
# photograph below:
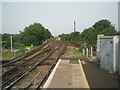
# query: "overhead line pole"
11,43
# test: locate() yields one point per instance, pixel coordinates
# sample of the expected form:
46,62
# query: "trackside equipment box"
108,52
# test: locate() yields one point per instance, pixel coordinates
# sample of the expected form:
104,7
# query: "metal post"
91,51
115,53
119,57
11,42
87,51
85,45
83,51
119,39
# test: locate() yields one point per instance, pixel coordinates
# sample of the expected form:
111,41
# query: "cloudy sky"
57,17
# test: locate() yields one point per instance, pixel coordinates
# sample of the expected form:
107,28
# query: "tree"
34,34
109,31
89,35
18,45
6,38
105,27
118,33
100,25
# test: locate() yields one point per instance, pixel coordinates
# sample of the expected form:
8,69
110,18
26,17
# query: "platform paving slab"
68,75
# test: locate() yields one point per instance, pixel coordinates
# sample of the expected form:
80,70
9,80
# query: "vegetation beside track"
28,39
89,35
35,34
7,55
73,53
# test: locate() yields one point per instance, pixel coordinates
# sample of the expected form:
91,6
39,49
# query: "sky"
58,17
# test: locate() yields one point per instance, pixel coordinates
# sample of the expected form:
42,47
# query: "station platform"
67,74
100,78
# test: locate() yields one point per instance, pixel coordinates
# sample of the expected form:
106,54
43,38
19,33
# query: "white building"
108,52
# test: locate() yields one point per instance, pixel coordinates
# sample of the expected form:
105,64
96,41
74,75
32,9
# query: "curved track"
32,70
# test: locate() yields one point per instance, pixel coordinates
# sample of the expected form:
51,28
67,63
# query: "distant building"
57,38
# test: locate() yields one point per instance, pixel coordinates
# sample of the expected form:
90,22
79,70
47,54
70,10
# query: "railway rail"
35,66
27,55
10,68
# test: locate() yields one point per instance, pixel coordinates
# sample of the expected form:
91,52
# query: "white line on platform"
86,82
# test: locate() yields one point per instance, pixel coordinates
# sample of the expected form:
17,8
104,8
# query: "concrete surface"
99,78
68,75
47,83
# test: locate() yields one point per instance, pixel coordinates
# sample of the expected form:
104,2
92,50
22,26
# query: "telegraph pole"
11,43
74,26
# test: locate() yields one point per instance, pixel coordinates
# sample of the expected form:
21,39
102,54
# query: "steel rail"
49,71
28,54
9,86
17,74
17,68
13,69
8,80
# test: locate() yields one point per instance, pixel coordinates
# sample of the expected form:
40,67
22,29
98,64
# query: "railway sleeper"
44,64
20,58
9,72
30,69
21,76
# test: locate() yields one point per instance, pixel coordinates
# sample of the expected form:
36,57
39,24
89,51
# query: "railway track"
27,55
10,68
35,67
